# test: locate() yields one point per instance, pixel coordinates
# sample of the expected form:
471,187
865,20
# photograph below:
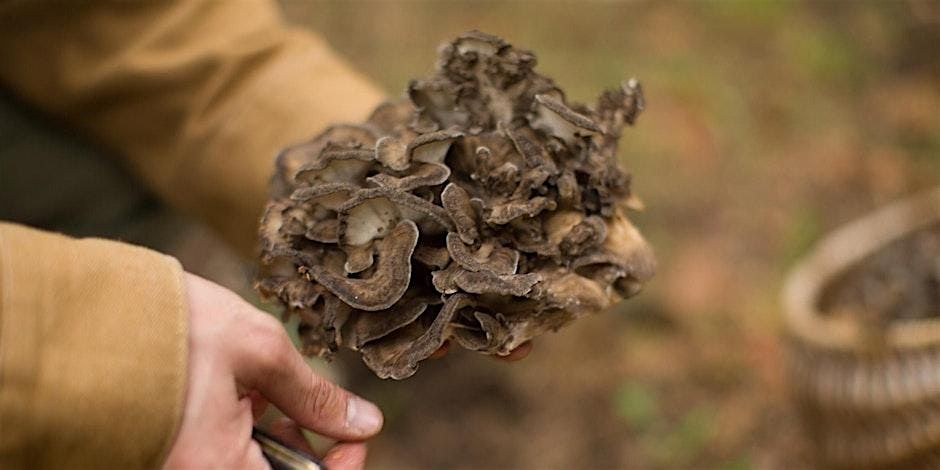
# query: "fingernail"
363,416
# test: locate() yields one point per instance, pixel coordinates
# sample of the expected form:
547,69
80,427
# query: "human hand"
239,360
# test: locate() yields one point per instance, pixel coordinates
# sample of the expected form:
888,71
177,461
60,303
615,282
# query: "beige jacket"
198,95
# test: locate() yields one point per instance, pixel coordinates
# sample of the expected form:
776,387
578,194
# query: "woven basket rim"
839,251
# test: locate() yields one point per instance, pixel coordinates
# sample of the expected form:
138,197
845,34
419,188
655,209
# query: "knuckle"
324,401
269,324
272,343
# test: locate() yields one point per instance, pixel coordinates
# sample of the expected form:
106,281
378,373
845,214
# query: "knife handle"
283,457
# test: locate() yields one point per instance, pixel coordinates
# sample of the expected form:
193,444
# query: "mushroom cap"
552,116
386,284
433,146
483,208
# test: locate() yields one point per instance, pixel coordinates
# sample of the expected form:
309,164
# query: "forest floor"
767,125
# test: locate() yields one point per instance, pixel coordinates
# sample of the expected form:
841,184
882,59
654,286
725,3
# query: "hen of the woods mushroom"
483,209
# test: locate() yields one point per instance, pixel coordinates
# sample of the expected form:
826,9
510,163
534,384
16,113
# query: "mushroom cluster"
482,209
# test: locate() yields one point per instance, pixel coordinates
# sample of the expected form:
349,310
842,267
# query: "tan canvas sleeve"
198,95
92,352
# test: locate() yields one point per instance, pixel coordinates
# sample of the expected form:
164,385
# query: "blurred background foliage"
768,123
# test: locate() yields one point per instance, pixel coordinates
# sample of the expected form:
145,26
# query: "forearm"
92,352
198,95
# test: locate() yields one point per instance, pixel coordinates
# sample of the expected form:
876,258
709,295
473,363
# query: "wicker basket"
864,406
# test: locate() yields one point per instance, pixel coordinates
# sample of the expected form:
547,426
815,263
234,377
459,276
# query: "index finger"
269,363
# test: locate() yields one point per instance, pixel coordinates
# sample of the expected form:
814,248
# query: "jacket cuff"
93,352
